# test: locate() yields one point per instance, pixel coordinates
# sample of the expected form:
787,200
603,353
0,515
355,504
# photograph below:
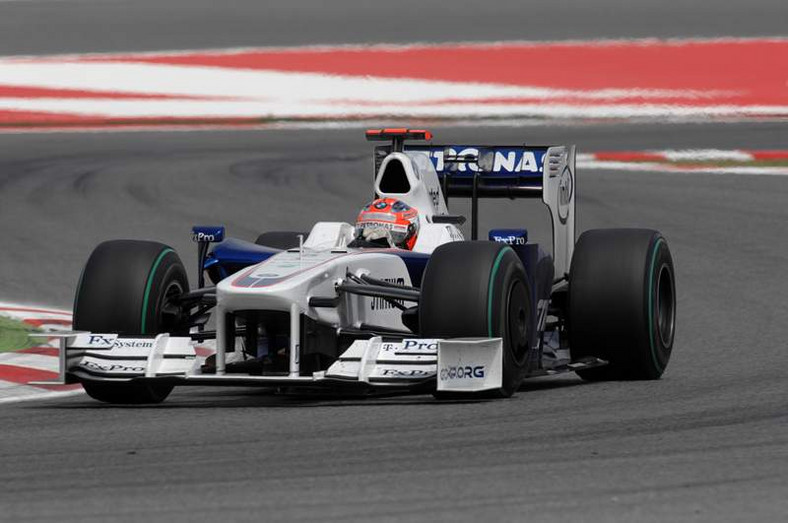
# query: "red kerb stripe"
629,156
24,375
43,351
769,155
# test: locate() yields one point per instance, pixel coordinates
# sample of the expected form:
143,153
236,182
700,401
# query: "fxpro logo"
110,367
461,372
407,373
207,234
510,240
203,237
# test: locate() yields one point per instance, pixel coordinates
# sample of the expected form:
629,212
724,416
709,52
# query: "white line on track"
706,155
38,395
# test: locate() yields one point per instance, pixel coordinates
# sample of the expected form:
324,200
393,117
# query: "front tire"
127,287
479,289
622,303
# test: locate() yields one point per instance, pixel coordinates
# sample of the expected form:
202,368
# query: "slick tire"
622,303
479,289
127,288
280,239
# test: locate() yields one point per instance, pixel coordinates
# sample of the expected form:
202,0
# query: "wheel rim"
517,321
170,313
666,306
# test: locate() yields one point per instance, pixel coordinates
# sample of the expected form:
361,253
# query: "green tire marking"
651,305
146,298
490,288
14,335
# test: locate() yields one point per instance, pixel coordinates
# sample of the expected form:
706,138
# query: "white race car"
399,302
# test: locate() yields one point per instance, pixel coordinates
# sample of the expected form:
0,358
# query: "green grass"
14,335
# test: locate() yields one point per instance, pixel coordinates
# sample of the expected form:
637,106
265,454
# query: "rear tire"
622,303
280,239
126,287
479,289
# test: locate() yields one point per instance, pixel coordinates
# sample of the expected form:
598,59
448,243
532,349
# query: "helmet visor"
397,235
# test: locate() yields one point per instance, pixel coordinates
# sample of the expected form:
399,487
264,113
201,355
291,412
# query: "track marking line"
37,395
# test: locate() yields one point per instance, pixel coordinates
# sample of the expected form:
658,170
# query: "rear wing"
509,171
500,171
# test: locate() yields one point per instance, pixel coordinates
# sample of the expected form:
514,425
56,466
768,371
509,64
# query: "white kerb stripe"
702,155
14,393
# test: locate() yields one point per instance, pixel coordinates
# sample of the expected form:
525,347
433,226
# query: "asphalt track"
62,26
707,442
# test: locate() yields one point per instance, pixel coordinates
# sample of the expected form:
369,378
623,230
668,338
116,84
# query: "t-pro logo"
428,346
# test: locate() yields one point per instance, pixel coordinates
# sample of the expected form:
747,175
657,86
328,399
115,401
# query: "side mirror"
204,235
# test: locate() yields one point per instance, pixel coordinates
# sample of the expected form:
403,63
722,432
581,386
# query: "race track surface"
71,26
707,442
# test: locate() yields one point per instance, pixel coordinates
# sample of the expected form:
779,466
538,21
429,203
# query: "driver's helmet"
388,220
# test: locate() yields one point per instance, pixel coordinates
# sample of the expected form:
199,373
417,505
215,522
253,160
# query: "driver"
386,222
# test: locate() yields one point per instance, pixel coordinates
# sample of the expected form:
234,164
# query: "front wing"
463,365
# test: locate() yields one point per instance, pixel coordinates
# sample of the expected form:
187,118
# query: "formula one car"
398,303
